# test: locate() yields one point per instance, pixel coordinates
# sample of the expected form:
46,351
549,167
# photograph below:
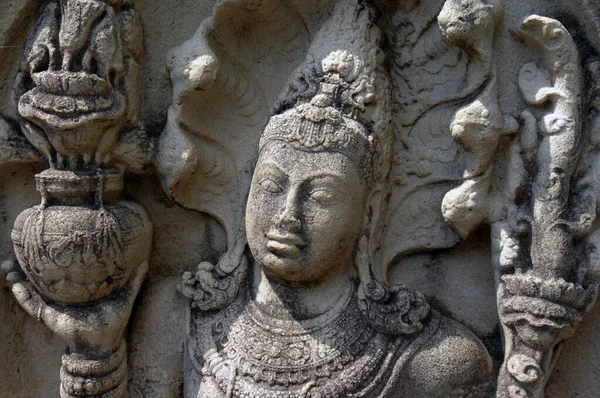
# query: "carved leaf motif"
78,18
421,175
133,151
426,72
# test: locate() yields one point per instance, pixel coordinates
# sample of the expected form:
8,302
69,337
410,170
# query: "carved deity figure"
305,323
305,311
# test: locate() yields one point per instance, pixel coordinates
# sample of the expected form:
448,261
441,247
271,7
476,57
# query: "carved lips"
285,244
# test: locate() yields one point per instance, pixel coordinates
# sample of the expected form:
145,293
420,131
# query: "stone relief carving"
332,141
318,189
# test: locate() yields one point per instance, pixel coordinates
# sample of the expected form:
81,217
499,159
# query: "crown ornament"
320,125
328,120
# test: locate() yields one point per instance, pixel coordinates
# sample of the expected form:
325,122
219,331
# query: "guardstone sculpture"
337,144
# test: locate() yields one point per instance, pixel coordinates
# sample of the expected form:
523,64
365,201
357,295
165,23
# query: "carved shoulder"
453,363
156,342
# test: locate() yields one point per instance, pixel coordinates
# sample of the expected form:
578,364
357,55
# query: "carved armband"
103,378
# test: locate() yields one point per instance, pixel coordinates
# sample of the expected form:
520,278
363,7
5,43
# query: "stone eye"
270,186
323,196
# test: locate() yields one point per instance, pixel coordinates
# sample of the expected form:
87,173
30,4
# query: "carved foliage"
440,56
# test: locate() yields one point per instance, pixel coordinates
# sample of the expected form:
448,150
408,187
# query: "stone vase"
82,242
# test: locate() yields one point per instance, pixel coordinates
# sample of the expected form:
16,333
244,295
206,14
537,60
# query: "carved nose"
289,222
288,218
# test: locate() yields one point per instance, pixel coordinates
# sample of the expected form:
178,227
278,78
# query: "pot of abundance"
81,243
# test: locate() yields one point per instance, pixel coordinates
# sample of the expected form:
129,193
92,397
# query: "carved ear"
371,286
391,310
372,203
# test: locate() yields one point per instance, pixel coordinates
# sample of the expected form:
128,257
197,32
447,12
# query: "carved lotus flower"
78,81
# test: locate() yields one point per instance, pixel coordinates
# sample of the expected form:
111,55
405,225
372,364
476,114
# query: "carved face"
305,212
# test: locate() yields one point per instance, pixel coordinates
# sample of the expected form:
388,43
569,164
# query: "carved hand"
93,329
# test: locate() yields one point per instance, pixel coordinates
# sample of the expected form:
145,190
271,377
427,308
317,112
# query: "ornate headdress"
338,98
321,124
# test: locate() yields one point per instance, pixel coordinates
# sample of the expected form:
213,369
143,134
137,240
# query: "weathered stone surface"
387,198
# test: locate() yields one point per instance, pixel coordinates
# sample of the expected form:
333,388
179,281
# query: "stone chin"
286,270
293,267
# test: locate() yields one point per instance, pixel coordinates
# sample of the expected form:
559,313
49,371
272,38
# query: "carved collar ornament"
333,355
